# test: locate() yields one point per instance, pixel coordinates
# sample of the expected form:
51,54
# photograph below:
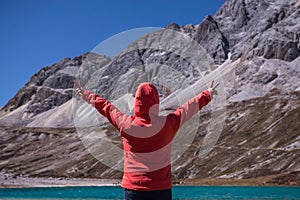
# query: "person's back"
147,144
147,138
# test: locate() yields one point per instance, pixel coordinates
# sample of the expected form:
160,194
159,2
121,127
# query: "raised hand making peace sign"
213,88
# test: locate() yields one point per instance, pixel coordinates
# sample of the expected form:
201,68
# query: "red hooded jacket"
146,136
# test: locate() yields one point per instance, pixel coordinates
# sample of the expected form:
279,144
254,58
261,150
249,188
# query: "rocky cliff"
261,132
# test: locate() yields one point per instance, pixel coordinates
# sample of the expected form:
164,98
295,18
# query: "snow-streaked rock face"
260,136
259,76
261,28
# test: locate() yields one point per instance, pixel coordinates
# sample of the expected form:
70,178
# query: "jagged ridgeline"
261,133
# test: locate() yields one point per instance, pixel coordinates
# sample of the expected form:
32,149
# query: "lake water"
179,193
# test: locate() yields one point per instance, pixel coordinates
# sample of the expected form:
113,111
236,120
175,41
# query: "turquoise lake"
179,192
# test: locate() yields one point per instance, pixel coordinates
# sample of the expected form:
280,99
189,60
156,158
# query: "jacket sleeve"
107,109
189,109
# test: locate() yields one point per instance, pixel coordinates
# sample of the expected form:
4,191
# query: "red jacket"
146,136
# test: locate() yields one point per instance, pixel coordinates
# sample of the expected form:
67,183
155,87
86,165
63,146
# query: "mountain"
260,137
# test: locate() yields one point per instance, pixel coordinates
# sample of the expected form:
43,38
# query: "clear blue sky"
38,33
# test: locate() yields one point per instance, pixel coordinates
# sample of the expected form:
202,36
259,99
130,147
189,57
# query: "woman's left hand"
79,89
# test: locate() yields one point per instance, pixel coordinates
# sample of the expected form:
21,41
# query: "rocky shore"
8,181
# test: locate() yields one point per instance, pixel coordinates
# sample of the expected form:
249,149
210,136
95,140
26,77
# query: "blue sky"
39,33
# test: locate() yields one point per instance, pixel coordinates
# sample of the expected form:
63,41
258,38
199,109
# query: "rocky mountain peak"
212,39
51,87
46,81
249,28
174,26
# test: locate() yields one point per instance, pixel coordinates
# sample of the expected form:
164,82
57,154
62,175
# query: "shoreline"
39,182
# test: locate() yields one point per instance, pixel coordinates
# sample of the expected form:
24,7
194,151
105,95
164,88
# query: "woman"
147,138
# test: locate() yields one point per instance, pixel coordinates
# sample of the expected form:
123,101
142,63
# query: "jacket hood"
146,101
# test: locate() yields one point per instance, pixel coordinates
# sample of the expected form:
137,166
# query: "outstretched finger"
78,84
216,86
212,84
